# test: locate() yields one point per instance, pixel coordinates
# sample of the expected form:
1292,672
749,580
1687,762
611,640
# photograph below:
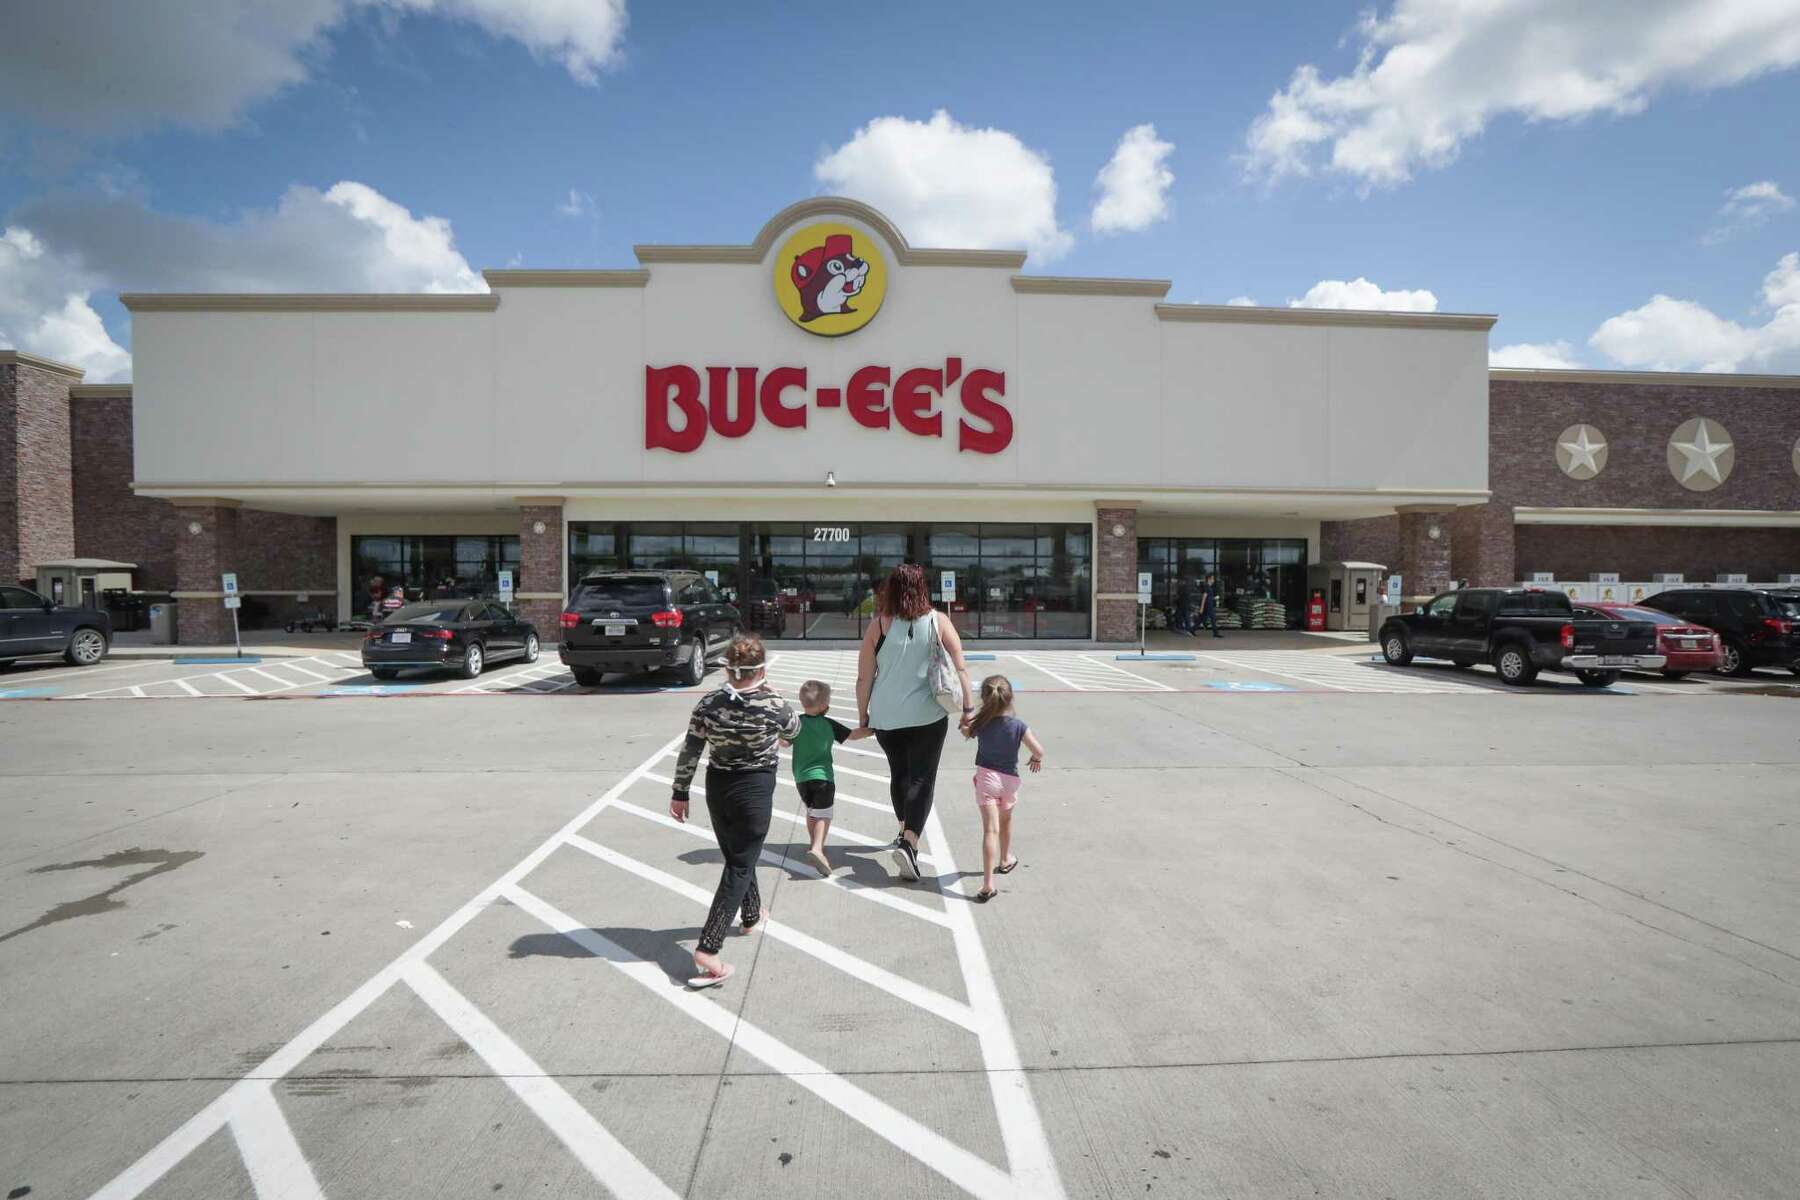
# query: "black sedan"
31,625
458,635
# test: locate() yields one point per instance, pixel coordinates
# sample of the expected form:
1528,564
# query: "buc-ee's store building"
796,415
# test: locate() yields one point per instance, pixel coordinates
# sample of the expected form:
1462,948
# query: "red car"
1687,647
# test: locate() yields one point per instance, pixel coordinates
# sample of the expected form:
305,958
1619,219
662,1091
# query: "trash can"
162,624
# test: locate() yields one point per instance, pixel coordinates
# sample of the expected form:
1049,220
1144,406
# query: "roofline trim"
1244,314
100,391
19,358
628,278
1093,285
309,301
1652,378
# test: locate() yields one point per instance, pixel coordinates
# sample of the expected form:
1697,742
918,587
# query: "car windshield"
621,592
1789,605
426,614
1536,602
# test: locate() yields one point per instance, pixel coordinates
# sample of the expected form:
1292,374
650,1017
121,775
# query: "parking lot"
1289,922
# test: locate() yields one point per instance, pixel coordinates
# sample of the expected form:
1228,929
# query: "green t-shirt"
812,747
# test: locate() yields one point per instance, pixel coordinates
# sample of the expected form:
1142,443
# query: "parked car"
1521,631
1687,646
457,635
1760,627
31,626
762,607
645,621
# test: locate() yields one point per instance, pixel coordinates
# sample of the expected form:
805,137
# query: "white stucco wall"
545,394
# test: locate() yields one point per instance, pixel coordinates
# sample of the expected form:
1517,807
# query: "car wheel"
531,647
1395,649
86,647
1732,661
694,670
1514,665
473,661
587,676
1598,679
1674,674
384,672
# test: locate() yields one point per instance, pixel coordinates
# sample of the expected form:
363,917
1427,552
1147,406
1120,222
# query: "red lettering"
680,385
868,401
718,400
914,393
979,404
773,410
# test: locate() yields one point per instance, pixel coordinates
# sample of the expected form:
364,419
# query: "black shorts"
819,795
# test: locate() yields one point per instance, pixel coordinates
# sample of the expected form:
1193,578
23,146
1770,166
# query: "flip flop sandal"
819,862
1008,869
984,895
707,981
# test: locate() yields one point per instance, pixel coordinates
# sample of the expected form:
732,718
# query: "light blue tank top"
902,698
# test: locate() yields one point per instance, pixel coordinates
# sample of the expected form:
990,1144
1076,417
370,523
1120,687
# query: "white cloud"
1242,302
1537,356
1679,335
59,251
1360,293
1134,184
115,66
1433,73
951,185
579,204
1748,207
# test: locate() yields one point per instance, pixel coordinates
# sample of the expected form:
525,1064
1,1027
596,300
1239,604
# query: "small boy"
812,764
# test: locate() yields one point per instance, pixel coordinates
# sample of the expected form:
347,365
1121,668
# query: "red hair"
904,595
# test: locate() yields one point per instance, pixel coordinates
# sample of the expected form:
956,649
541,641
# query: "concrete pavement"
1261,945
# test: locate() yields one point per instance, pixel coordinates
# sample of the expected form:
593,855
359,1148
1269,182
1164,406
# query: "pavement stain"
158,862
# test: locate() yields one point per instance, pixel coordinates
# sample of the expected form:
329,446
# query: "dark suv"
31,625
1756,627
645,621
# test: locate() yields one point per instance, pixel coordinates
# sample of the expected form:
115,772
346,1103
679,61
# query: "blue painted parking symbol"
1247,685
27,693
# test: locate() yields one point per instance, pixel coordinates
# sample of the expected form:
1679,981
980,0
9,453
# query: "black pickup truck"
1521,631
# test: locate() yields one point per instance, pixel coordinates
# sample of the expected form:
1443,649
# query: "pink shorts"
996,787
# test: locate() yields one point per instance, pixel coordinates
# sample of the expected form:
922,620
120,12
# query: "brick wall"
1637,552
541,569
111,522
1371,539
34,442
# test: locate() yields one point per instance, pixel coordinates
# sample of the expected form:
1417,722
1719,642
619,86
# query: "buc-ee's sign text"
682,403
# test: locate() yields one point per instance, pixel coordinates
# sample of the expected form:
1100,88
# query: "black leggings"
912,755
740,803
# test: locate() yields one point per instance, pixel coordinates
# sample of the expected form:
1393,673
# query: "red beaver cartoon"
827,276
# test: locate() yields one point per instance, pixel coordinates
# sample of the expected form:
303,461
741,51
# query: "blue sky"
1563,169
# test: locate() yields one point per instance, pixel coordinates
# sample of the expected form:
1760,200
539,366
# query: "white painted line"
1161,687
840,769
225,677
64,673
607,1160
780,814
295,666
139,691
855,888
277,680
1034,665
132,1181
968,1171
1268,671
278,1170
932,1002
1021,1128
187,687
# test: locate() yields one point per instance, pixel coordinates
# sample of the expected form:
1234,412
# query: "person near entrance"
894,697
1184,606
1209,605
742,721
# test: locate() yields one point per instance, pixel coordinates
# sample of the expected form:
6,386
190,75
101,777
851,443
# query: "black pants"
740,803
912,755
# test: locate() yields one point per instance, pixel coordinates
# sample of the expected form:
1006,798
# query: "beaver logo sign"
830,279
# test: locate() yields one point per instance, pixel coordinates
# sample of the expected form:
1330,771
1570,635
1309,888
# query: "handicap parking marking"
270,677
1342,672
1247,685
30,693
1081,672
276,1160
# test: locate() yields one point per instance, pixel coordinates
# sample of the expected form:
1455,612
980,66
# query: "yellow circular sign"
830,278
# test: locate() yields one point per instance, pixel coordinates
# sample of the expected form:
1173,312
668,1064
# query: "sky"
1617,179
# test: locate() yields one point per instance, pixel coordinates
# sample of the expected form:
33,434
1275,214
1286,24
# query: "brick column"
1424,560
37,507
542,555
1482,548
1115,571
205,548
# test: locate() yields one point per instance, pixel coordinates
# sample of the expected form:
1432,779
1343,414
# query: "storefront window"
1262,581
432,567
818,579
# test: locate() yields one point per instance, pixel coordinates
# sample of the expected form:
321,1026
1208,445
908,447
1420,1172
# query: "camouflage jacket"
742,729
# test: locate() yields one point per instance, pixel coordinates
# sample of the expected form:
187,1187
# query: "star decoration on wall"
1700,454
1581,452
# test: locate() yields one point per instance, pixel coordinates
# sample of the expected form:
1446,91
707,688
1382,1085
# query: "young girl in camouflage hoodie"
742,721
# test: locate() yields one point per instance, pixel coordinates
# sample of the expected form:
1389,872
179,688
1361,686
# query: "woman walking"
894,697
742,721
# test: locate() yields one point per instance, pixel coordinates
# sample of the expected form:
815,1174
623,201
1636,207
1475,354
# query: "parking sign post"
233,602
1143,611
506,590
